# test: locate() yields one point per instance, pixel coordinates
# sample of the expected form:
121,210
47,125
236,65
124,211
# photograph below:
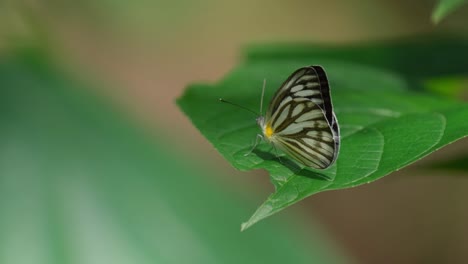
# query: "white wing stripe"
306,158
314,124
323,134
294,78
282,117
310,115
285,101
308,152
317,101
305,93
298,109
291,129
297,88
312,84
297,127
307,78
320,145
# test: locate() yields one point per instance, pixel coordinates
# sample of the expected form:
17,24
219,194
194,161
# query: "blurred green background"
97,164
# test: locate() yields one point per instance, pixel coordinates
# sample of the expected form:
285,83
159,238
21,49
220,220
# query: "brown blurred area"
143,54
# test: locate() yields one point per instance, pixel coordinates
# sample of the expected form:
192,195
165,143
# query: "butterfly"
300,120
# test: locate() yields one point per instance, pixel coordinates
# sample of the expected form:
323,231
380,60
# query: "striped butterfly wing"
302,118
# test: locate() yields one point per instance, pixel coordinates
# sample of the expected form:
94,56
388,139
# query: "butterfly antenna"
240,106
261,99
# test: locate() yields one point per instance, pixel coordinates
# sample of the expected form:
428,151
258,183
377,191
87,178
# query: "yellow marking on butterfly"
268,131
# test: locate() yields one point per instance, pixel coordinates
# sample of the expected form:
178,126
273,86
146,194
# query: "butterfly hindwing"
305,134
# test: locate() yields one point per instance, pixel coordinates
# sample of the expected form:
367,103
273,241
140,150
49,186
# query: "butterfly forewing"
302,118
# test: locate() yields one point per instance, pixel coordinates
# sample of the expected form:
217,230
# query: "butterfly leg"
277,154
255,145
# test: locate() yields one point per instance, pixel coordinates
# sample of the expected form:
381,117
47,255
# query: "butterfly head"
261,121
266,128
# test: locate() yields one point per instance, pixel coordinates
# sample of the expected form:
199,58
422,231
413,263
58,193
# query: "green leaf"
384,125
449,86
416,57
81,183
444,8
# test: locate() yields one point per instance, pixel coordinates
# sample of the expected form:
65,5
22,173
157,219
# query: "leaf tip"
244,226
248,223
262,212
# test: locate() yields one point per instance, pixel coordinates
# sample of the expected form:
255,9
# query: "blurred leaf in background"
80,183
385,125
444,8
415,57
